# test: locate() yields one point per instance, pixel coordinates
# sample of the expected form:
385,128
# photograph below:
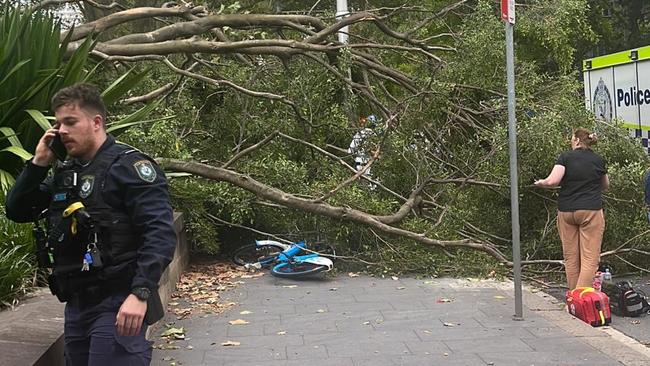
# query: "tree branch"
250,149
125,16
324,209
149,96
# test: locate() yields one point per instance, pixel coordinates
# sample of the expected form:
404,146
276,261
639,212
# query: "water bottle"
607,276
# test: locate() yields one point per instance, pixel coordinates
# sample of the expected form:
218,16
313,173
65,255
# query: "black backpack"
624,300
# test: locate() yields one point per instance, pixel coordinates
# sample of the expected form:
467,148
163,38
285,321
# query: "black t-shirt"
581,184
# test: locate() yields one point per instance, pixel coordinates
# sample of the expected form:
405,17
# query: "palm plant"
33,66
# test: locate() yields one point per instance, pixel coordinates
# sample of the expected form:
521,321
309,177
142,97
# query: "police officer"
110,231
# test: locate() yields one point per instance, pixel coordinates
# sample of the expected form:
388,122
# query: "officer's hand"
131,316
43,156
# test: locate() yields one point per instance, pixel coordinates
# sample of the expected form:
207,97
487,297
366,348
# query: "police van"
617,86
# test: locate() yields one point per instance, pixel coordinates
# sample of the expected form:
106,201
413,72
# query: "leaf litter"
198,293
199,287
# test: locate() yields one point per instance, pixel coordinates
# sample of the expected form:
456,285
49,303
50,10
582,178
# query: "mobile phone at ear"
57,147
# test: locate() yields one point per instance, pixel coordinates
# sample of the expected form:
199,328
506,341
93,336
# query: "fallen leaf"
230,343
352,274
238,322
175,332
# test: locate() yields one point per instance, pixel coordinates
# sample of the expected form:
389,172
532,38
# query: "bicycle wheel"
294,270
251,253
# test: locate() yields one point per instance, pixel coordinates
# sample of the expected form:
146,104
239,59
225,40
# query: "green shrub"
18,271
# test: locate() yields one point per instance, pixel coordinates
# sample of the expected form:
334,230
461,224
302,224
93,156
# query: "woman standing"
582,175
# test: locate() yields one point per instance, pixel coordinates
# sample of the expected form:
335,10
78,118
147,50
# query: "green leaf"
11,136
40,119
6,180
14,70
122,85
18,151
132,119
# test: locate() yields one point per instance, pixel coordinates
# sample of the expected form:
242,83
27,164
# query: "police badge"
602,102
145,170
86,187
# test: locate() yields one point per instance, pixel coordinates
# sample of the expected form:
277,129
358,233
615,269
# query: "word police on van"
632,97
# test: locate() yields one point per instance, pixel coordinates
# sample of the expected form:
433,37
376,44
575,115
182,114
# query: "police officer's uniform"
110,233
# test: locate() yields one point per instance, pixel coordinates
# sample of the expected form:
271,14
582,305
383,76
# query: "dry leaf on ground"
230,343
176,333
238,322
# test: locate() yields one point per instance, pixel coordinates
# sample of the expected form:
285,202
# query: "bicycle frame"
289,254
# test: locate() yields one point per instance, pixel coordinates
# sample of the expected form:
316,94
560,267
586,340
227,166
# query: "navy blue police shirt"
144,199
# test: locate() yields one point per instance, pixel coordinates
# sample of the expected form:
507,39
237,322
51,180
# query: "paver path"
355,321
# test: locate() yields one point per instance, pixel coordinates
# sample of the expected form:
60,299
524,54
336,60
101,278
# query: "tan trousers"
581,233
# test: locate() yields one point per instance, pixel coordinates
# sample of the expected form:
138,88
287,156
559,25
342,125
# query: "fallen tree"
432,73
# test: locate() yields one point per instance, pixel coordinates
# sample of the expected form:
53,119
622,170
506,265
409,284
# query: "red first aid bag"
589,305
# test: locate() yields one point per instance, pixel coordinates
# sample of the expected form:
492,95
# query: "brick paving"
355,321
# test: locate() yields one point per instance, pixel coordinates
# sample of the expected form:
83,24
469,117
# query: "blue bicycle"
285,260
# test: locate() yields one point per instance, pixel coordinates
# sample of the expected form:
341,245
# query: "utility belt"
88,289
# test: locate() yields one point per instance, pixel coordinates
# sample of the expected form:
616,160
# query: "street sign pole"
508,15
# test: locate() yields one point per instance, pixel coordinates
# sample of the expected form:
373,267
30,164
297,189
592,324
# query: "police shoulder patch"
145,170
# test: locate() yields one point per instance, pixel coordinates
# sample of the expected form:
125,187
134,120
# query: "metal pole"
342,11
514,181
